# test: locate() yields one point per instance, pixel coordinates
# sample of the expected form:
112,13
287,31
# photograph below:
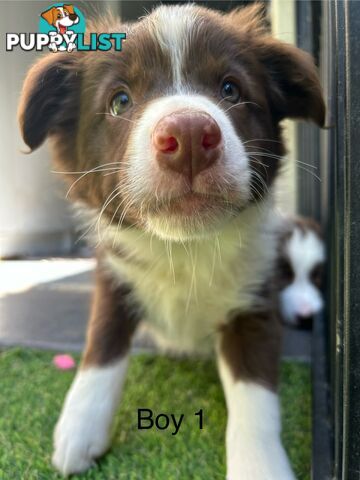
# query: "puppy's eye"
316,275
285,270
120,102
59,15
230,91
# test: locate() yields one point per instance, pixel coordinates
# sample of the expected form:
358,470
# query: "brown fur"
113,320
251,345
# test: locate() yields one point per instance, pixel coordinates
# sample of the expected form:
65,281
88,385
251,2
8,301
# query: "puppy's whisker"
127,206
313,174
116,210
112,173
69,172
262,140
242,103
99,168
168,245
307,164
222,100
120,117
115,193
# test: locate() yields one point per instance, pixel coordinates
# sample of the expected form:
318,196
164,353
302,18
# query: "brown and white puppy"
171,147
301,260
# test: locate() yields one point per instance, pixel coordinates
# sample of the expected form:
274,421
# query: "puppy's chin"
177,223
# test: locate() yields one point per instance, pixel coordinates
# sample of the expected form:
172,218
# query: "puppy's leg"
83,429
248,358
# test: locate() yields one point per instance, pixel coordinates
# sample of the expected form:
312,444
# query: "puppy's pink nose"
305,310
187,142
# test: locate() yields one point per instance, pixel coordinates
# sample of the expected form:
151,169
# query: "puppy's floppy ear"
251,19
294,89
49,15
69,8
49,101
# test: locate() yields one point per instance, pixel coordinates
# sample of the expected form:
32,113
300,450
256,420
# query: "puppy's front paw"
83,431
78,440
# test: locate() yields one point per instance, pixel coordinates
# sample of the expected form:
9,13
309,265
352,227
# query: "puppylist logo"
62,28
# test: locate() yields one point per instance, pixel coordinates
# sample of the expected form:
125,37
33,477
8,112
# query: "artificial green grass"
32,391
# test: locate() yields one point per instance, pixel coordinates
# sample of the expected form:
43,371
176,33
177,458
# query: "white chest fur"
187,290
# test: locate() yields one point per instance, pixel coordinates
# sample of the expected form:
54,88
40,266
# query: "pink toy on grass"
64,362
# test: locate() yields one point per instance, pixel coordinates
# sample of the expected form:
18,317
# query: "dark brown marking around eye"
316,275
286,271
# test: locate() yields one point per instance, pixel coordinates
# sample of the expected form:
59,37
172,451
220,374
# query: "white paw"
82,433
259,457
53,47
71,47
79,439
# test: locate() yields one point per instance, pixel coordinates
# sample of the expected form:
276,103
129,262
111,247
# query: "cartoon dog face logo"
61,17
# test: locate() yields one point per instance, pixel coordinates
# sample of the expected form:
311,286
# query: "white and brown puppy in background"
300,266
180,133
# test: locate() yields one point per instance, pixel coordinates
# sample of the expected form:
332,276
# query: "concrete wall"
284,28
34,219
